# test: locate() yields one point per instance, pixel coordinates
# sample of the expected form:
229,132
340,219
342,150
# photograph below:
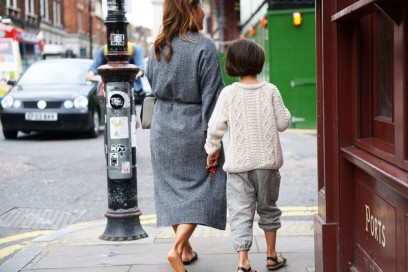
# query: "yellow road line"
305,130
147,216
9,250
299,208
150,219
298,211
23,236
286,214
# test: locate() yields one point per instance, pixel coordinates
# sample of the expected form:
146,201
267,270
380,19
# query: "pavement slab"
78,248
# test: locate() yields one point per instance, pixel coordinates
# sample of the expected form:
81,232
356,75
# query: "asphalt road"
65,173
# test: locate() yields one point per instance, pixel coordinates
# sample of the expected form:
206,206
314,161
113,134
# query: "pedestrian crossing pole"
123,215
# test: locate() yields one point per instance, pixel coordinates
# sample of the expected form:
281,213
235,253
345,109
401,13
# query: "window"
385,67
376,51
44,10
79,20
12,3
6,51
57,12
30,53
29,7
383,46
82,52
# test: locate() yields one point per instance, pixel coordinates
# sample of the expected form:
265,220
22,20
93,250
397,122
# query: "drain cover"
43,219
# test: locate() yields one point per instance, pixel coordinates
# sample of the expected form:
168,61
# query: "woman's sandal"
192,260
245,269
276,261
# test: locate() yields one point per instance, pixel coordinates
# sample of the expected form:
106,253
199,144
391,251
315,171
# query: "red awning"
17,34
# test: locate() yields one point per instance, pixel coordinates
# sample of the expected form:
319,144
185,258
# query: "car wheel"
10,134
94,131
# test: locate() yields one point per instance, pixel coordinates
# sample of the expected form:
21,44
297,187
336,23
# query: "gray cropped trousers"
249,191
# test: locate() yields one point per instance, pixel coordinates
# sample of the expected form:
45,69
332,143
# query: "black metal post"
118,75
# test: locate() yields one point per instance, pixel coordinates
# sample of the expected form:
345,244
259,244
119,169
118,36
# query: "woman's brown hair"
244,58
177,18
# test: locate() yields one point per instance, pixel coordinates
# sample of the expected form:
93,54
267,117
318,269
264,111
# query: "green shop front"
287,33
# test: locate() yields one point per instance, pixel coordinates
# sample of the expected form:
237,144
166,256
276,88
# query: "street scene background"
51,181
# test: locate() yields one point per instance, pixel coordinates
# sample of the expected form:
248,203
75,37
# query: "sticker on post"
117,96
114,159
125,167
117,39
119,127
117,101
112,6
119,148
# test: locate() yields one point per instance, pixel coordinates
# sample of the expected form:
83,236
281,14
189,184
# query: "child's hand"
212,163
212,160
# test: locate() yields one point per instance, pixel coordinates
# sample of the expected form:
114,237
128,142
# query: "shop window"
82,52
383,88
385,67
376,90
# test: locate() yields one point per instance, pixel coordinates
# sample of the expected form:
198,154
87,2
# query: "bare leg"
270,237
188,252
183,233
244,260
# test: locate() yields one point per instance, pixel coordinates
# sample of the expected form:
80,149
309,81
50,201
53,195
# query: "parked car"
53,96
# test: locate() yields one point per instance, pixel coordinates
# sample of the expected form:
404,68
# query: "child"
254,113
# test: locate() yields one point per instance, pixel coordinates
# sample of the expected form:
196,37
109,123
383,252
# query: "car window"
47,73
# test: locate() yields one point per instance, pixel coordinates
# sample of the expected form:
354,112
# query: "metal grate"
50,104
31,218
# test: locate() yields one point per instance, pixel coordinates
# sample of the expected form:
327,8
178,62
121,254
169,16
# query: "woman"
184,72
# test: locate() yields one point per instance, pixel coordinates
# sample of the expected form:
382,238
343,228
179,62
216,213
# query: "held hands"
212,162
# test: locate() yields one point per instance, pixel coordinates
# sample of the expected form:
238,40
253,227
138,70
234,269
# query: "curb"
36,246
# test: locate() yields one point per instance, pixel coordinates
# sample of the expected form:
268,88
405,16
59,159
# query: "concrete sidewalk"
78,248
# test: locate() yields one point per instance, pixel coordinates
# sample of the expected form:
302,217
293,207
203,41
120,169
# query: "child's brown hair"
244,58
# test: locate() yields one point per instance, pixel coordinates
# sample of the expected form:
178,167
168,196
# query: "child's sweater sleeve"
217,125
281,112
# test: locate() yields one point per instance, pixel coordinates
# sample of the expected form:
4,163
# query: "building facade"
223,22
23,14
84,24
52,27
362,87
73,28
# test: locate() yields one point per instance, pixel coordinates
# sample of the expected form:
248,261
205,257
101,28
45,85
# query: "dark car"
53,96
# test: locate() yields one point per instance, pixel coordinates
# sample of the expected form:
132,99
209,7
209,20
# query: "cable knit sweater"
253,114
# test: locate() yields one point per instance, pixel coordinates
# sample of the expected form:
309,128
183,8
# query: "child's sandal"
276,264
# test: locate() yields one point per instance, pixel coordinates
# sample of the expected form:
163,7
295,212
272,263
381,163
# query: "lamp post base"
123,225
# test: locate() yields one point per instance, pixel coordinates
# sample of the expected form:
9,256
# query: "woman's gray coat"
186,88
